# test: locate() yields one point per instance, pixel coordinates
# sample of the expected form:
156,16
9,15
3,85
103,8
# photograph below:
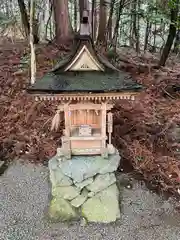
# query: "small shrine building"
86,84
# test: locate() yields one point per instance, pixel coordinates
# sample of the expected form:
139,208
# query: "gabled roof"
84,61
85,47
84,70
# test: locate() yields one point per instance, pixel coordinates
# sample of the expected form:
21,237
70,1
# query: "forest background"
140,37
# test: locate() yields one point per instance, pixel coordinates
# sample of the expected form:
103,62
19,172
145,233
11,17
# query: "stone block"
61,210
68,193
84,183
73,179
103,207
80,199
101,182
111,165
57,178
80,168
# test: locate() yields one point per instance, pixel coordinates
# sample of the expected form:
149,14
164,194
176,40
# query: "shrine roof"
55,82
85,41
85,70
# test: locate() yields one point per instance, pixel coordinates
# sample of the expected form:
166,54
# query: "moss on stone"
103,207
61,210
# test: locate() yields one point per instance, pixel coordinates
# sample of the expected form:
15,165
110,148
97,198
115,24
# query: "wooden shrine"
86,86
85,129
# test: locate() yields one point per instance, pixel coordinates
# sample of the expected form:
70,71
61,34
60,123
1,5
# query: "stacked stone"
84,186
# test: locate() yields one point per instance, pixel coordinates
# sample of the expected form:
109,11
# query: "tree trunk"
33,55
155,30
131,37
177,42
95,23
138,28
135,33
7,9
146,35
116,29
102,22
25,21
63,27
171,36
75,15
109,24
24,17
48,15
93,19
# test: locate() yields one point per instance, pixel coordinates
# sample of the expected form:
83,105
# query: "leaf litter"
146,131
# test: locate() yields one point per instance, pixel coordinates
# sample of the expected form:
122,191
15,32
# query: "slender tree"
33,55
75,15
102,22
172,33
63,27
93,19
177,42
25,21
109,24
146,38
135,24
24,17
116,28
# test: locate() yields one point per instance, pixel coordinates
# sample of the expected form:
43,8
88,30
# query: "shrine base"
84,186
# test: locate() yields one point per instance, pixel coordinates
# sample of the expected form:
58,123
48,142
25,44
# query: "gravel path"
24,194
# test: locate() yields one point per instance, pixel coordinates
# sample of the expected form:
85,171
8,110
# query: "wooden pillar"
104,152
67,142
110,123
67,120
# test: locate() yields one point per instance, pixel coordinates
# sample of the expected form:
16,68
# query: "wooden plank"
83,107
67,143
103,129
67,120
110,125
89,138
86,151
92,125
81,144
90,106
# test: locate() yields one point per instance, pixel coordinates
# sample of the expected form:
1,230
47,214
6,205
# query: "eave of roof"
85,82
59,81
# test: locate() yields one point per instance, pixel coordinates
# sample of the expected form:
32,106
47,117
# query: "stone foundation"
84,186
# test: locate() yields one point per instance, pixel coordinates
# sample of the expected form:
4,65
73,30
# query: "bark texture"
24,17
102,22
172,34
63,27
